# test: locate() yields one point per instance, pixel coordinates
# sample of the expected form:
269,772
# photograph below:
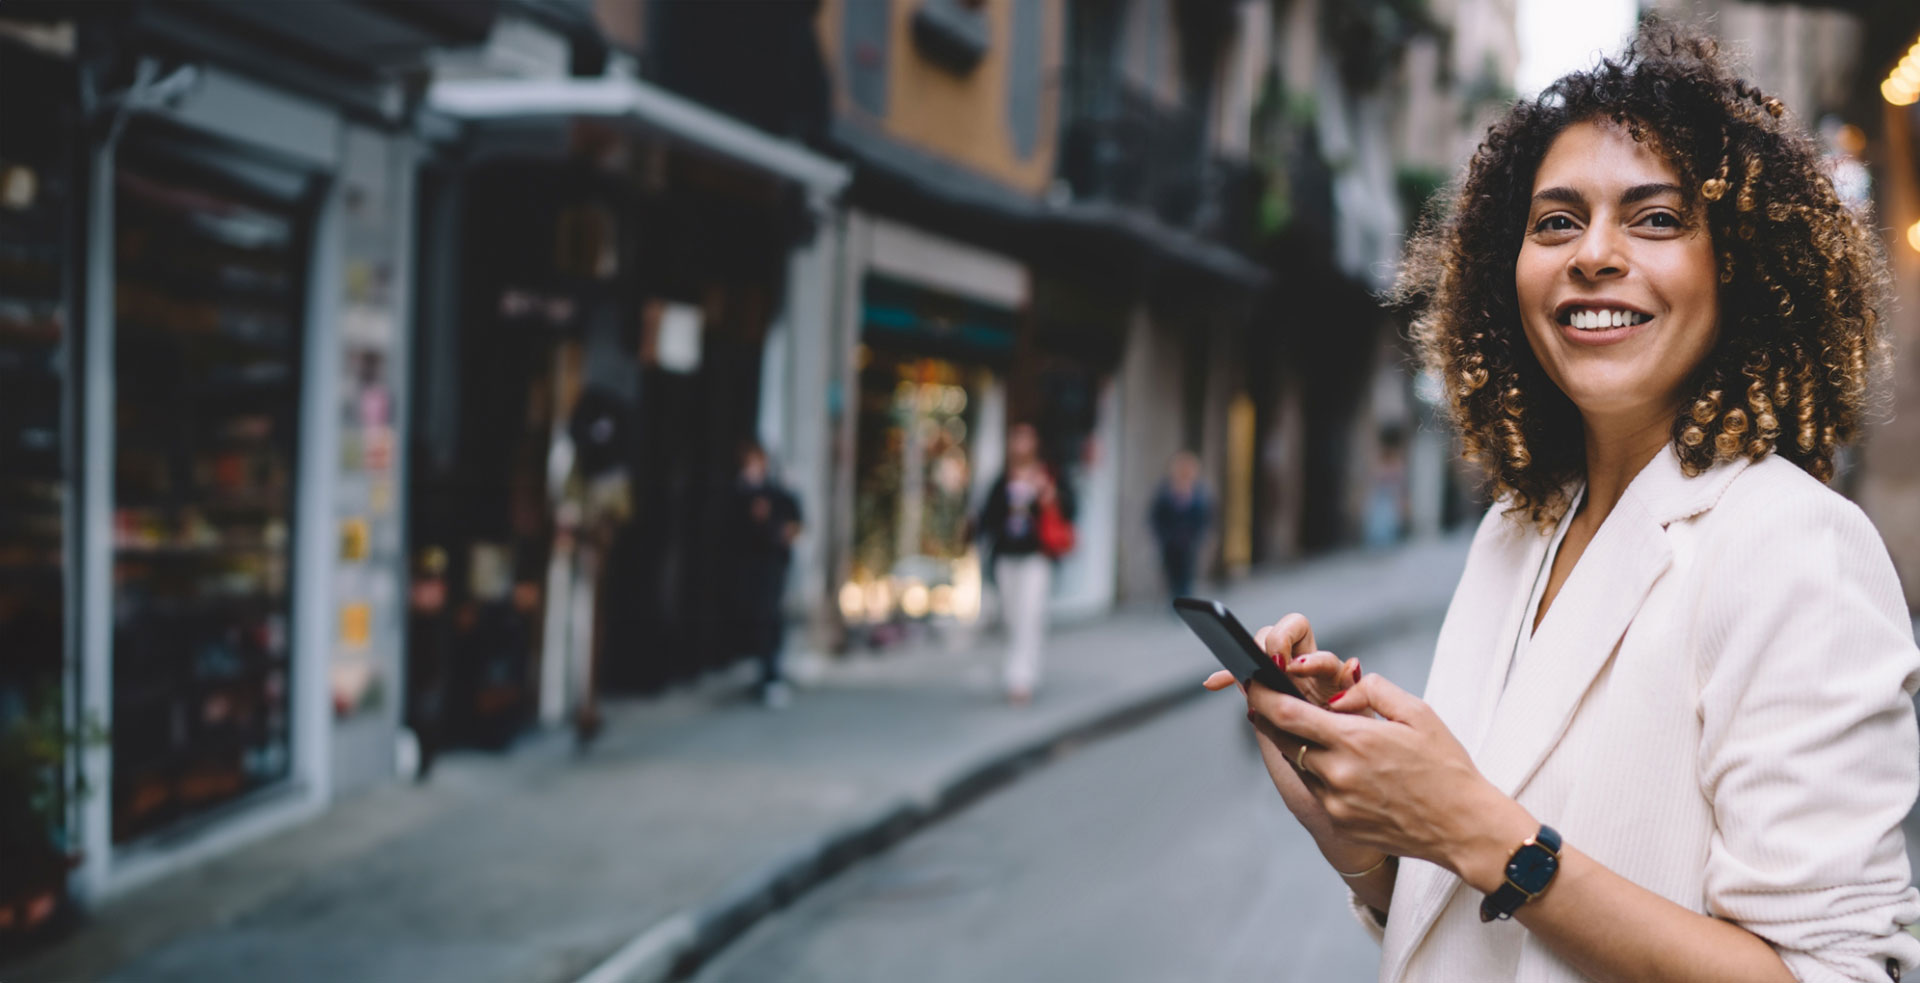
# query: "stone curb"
677,946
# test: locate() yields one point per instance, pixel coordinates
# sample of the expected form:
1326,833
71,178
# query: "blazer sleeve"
1809,752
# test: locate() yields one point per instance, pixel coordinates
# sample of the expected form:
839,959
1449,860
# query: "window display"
36,201
912,555
208,314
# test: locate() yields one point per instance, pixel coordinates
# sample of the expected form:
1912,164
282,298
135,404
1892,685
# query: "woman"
1669,732
1022,570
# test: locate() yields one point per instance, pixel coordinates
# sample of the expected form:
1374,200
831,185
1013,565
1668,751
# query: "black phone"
1232,644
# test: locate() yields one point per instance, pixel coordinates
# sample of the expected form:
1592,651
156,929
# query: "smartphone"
1232,644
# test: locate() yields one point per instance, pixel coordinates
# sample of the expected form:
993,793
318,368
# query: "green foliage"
34,795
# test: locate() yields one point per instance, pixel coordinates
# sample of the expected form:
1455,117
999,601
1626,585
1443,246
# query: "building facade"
1366,111
205,305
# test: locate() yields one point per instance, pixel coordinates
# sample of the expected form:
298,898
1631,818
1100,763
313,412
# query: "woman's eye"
1664,220
1554,223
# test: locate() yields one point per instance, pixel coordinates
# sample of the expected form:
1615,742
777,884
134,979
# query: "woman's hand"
1289,643
1399,782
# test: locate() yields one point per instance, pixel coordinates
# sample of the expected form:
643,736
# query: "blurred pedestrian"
1180,515
598,503
429,652
1671,642
1027,520
1385,521
765,520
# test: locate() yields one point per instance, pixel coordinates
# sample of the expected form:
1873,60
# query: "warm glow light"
853,601
879,600
943,601
1913,236
913,600
1902,85
967,587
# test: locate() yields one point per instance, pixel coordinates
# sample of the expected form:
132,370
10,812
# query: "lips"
1599,315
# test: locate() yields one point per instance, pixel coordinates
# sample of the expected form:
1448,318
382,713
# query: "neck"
1617,450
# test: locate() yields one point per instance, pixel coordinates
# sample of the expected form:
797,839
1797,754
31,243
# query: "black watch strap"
1529,871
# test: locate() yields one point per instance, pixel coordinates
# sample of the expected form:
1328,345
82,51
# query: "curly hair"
1801,277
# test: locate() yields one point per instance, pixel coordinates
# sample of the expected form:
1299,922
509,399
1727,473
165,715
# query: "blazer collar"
1668,495
1573,643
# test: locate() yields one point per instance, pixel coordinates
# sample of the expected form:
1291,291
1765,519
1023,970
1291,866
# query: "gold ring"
1300,761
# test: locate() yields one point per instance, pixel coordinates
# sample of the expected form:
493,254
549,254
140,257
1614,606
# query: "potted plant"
34,795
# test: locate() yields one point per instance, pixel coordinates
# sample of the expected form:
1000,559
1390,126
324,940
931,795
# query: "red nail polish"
1252,717
1280,660
1356,671
1302,658
1336,697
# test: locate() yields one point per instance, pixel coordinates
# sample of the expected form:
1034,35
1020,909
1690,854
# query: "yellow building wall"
961,118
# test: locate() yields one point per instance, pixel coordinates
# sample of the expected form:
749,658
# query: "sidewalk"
694,815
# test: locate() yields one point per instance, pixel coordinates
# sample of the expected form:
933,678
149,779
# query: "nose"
1601,255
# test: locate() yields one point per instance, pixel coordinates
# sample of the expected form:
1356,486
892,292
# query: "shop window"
36,199
208,315
919,423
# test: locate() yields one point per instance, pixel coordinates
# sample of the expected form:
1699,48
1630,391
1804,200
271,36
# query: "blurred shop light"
1902,85
966,587
879,600
678,346
19,187
853,602
1913,236
942,601
913,600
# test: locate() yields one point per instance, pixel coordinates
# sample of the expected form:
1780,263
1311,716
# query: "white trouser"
1024,583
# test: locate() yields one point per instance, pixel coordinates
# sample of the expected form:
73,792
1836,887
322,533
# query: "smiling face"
1616,278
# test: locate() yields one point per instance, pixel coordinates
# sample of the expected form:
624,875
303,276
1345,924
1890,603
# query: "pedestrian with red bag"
1027,520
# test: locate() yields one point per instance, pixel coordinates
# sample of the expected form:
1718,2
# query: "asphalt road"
1160,854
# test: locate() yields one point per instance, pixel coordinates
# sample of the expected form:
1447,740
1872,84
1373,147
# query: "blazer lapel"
1575,639
1573,643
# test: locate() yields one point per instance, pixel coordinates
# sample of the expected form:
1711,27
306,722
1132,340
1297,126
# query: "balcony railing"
1121,146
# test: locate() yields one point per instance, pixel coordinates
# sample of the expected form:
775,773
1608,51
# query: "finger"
1379,694
1288,637
1297,717
1324,665
1219,680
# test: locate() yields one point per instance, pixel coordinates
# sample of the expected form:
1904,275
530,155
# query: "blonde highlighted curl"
1802,281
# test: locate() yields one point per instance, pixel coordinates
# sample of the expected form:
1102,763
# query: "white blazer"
1717,707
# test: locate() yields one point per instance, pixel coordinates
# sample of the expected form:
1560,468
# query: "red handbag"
1055,532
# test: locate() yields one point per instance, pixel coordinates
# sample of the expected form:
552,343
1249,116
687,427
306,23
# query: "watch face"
1532,868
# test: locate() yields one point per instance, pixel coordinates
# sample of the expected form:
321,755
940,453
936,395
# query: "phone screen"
1232,644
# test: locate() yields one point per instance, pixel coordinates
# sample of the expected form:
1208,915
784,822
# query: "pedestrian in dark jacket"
765,520
1181,513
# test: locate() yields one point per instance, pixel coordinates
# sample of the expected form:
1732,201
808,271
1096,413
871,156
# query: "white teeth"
1593,319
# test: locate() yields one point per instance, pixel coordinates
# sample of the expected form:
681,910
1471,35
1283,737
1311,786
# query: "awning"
647,105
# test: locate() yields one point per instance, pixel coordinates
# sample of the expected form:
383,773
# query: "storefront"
203,291
930,420
935,339
241,404
37,277
586,403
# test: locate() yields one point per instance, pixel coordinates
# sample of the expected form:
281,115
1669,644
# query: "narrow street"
1160,854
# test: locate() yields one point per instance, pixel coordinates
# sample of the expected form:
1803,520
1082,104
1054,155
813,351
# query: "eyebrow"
1637,193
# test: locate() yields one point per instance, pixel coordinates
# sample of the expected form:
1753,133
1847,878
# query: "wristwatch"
1529,871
